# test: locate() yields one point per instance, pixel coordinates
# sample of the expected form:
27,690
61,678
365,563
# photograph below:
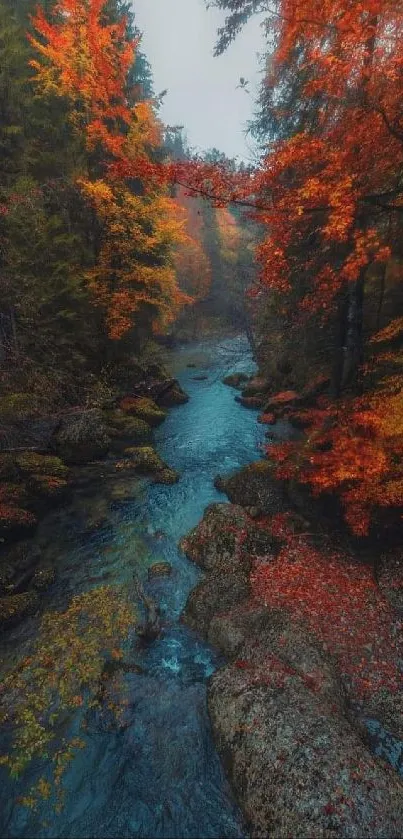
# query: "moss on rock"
121,425
216,543
144,409
167,476
175,395
145,459
256,386
82,437
31,463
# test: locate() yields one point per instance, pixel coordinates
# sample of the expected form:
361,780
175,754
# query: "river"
161,775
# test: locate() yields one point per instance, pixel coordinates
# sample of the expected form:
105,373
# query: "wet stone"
159,569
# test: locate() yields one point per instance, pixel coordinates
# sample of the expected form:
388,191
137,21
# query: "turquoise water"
160,776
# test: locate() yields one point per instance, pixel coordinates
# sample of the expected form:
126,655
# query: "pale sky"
179,37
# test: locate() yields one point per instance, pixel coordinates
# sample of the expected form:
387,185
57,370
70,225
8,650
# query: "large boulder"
297,757
253,632
81,437
217,544
254,486
296,764
123,426
223,544
218,592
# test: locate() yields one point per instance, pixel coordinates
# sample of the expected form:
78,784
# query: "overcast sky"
179,37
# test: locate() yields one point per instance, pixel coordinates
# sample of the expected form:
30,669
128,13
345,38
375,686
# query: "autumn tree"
87,59
328,194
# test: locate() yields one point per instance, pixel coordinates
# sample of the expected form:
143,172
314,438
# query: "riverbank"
153,770
53,460
314,680
280,711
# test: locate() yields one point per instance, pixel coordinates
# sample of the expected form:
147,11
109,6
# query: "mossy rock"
43,577
82,437
143,408
125,426
145,459
167,476
31,463
16,607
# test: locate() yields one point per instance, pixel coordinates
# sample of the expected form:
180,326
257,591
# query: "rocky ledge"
50,456
297,756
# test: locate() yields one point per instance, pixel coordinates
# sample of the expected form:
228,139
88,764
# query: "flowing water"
161,775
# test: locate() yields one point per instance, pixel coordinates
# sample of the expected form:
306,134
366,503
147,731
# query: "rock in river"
254,486
159,569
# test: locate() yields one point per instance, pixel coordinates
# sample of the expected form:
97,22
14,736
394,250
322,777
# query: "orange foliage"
354,448
341,178
84,57
87,61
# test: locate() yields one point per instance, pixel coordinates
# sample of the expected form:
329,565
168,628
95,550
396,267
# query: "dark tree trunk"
340,342
354,351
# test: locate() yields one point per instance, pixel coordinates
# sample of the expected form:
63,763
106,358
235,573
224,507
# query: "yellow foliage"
62,672
134,267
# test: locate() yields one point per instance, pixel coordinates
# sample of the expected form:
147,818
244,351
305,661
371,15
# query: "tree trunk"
340,342
354,351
